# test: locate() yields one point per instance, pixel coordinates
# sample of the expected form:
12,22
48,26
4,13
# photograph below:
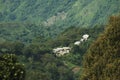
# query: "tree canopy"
102,60
10,68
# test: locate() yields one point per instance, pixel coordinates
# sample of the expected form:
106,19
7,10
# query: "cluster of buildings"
84,38
60,51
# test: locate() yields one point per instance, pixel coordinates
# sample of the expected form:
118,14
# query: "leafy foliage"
10,68
23,31
82,13
39,60
101,62
48,68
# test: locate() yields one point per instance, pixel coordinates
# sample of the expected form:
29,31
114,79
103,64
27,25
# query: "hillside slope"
50,17
91,12
80,12
31,10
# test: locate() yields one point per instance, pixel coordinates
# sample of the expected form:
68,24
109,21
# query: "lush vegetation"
58,15
31,29
39,10
102,60
41,63
10,68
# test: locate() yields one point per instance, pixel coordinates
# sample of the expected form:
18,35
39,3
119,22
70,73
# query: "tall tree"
102,60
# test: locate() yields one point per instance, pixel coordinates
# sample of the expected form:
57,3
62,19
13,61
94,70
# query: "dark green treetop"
102,61
10,68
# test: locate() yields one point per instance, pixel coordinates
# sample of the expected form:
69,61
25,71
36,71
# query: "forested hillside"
78,11
31,10
40,61
59,39
49,18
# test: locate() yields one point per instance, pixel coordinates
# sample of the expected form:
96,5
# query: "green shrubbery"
10,68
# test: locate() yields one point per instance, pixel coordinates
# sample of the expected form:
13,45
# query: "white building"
85,36
61,51
82,40
77,43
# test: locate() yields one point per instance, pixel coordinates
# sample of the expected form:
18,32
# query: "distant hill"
51,17
32,10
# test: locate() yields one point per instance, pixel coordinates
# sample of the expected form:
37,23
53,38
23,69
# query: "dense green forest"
102,60
41,63
49,18
31,31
